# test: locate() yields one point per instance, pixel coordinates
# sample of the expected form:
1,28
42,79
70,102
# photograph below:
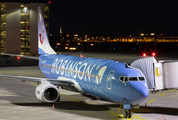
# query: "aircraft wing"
29,57
35,79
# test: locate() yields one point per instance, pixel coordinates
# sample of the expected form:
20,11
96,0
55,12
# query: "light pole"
25,9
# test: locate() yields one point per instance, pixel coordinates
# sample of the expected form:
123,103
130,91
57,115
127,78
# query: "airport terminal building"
19,27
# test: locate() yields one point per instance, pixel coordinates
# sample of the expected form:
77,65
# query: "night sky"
113,17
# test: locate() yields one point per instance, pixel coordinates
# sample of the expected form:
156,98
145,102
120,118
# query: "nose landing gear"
127,114
126,107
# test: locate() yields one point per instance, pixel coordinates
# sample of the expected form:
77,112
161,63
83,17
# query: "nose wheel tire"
127,114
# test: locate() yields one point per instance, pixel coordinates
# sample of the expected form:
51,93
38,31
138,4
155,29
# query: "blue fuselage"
98,77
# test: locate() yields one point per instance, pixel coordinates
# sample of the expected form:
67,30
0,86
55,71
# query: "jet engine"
47,92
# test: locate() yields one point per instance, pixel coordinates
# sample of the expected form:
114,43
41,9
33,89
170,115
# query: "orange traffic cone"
162,117
53,107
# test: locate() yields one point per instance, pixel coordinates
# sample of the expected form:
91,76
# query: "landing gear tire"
127,114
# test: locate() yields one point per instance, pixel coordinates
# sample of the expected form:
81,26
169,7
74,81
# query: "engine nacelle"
47,92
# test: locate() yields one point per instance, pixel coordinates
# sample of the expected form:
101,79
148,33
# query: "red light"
144,54
18,57
49,2
153,54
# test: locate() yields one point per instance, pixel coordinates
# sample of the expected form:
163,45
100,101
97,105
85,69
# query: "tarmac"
18,101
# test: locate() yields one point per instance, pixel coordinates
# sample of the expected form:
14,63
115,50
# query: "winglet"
43,42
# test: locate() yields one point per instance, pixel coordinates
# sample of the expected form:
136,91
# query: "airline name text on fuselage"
77,69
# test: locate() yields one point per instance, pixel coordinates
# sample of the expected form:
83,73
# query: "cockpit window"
133,79
141,78
126,79
122,78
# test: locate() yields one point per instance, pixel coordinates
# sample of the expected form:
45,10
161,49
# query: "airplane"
107,79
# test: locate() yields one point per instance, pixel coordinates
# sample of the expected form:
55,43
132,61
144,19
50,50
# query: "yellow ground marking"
151,101
162,94
70,97
137,117
31,83
92,103
170,90
107,111
132,118
121,115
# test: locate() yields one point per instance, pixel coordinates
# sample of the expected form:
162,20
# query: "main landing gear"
127,114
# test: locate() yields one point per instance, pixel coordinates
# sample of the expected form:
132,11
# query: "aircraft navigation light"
49,2
18,58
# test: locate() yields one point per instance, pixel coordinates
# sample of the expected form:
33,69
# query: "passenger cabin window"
141,78
133,79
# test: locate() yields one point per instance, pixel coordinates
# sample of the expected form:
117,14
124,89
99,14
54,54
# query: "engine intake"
47,92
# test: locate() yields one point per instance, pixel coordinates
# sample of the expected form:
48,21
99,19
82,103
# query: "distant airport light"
144,54
49,2
58,44
66,47
152,33
91,44
25,8
72,48
153,54
142,34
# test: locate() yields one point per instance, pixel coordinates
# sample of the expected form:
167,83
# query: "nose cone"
139,91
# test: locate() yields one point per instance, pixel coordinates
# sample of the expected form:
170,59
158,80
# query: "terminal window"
157,72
